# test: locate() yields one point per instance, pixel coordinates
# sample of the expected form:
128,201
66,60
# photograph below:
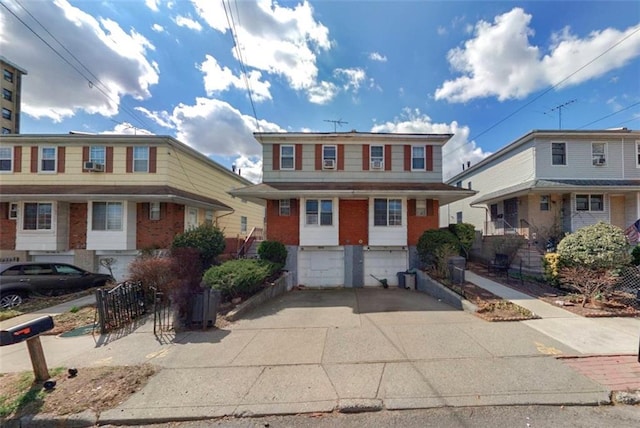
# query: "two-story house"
548,183
350,207
83,198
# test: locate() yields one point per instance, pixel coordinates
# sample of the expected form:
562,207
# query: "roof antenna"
336,123
559,108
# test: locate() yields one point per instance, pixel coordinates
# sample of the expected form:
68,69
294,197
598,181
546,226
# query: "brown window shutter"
387,157
61,159
34,159
108,159
293,207
365,157
298,160
153,159
85,154
276,157
411,207
429,154
407,157
129,159
318,157
17,159
430,207
340,157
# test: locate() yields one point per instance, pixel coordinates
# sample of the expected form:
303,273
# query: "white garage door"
53,258
321,268
384,264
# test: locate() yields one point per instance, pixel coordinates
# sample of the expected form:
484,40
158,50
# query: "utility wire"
90,81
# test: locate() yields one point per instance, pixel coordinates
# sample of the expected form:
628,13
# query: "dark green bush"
273,251
635,255
239,277
431,240
466,234
207,239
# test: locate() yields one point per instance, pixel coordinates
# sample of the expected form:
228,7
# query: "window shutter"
276,157
17,159
298,154
411,207
365,157
407,157
387,157
153,159
429,154
129,159
108,159
340,157
61,159
34,159
318,157
85,154
430,207
293,204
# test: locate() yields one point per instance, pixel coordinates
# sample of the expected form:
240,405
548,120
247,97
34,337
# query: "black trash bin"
401,282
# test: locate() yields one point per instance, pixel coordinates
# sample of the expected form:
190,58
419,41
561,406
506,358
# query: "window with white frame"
285,207
154,211
106,216
287,157
558,153
37,216
377,157
141,159
329,157
319,211
599,153
13,211
421,207
6,159
97,154
208,217
48,157
544,202
589,202
387,212
459,217
192,218
243,224
418,158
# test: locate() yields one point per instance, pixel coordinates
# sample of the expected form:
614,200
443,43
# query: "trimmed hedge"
239,277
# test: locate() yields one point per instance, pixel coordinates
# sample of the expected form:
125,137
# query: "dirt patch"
95,388
36,303
75,318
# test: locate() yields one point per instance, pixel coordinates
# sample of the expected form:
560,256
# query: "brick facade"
78,226
285,229
416,225
152,234
7,228
354,222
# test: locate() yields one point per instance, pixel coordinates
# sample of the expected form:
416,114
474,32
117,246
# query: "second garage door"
384,264
321,268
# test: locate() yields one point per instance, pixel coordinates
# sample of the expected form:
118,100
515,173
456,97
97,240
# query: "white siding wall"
632,208
630,159
124,239
39,240
388,235
579,160
316,234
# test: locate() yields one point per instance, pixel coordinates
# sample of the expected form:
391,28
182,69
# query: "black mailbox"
25,330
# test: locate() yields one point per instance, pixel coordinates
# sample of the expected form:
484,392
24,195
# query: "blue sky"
487,71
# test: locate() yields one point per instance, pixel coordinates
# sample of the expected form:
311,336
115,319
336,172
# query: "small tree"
273,251
442,255
431,240
207,239
466,234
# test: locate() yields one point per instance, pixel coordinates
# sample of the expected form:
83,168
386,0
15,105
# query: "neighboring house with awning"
350,207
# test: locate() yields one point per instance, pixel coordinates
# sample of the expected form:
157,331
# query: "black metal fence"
162,312
120,306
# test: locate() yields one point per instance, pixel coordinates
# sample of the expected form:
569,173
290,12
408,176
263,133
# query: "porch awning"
558,186
292,190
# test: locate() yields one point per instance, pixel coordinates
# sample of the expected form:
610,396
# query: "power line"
609,115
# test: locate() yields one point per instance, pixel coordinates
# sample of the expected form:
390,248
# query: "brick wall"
285,229
417,225
354,222
7,228
158,233
78,226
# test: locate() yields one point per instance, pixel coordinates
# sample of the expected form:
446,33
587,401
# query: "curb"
359,405
629,398
88,418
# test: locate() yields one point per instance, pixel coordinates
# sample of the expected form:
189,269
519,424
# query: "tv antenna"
559,108
339,122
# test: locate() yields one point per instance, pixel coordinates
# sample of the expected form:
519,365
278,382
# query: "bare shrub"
589,282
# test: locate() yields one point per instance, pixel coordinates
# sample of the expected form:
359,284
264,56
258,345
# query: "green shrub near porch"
239,278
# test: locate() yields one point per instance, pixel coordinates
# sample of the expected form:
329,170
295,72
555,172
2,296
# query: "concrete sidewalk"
593,336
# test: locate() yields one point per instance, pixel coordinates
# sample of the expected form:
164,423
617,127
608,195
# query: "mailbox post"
30,331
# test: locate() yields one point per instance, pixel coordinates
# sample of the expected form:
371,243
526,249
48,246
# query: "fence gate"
162,312
120,306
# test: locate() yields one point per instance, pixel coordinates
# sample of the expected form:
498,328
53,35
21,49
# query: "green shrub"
466,234
273,251
442,255
635,255
431,240
551,264
239,277
207,239
599,246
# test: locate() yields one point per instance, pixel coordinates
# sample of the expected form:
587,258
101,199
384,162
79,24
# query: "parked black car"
19,280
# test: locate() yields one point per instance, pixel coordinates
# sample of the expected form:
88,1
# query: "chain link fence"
627,290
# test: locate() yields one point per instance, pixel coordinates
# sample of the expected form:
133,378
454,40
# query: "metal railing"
500,227
120,306
254,235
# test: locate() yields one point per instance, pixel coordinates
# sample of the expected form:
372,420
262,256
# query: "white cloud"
249,167
458,149
499,61
353,77
152,4
322,93
125,128
375,56
117,60
217,79
441,31
183,21
157,28
274,39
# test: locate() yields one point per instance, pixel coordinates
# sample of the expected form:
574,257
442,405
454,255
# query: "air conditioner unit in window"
329,164
599,161
93,166
13,211
376,164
